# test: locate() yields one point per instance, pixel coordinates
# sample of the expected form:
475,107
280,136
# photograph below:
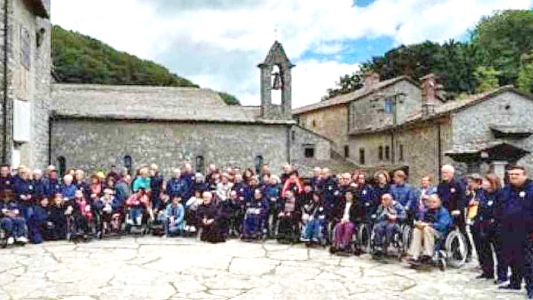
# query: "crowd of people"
324,209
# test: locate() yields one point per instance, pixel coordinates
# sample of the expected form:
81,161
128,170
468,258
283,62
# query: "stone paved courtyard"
155,268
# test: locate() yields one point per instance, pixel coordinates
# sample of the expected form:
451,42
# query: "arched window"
380,152
200,166
62,165
258,163
277,85
387,152
128,163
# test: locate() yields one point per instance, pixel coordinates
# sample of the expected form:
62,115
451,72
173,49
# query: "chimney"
371,79
430,88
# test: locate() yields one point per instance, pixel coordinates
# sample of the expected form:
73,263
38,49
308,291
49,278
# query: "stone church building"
400,123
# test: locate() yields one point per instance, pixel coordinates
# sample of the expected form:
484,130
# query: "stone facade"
93,143
371,112
28,78
331,122
302,140
460,133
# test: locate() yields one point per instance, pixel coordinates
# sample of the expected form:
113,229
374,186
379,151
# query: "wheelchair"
134,226
108,225
450,251
3,238
74,232
400,241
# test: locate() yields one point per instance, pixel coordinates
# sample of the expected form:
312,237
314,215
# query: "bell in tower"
276,82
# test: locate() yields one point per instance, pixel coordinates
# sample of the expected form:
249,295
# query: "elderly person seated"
388,216
432,224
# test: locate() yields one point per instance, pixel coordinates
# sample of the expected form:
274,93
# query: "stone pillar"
499,169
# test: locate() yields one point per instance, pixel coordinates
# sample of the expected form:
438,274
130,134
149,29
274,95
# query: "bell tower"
276,82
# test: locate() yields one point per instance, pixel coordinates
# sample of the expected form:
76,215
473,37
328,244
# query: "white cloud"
219,43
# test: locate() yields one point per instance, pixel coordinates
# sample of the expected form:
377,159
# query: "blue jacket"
6,183
176,187
52,187
178,212
99,204
396,208
404,194
439,219
68,191
40,188
453,195
515,207
23,187
188,188
9,205
380,191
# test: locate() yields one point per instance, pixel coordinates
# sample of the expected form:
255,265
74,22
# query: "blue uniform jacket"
515,210
176,187
23,187
439,219
453,195
405,195
68,191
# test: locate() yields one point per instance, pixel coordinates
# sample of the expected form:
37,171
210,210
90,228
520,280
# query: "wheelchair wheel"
407,234
364,237
3,239
456,249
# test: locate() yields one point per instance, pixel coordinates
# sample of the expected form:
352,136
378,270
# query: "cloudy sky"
218,43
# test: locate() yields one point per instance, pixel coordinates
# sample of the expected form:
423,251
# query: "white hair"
448,168
176,170
37,171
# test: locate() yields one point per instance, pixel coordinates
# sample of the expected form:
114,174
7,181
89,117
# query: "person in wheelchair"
289,216
11,220
388,218
107,209
138,205
433,224
79,215
40,226
345,215
173,218
256,212
313,220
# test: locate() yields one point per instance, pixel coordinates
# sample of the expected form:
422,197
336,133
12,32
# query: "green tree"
81,59
525,77
502,39
487,78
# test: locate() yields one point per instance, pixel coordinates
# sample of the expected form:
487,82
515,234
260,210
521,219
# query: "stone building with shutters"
25,54
407,125
95,126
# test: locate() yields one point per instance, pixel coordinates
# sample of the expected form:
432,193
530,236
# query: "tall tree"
503,38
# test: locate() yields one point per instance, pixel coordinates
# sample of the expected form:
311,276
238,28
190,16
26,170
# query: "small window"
309,152
362,156
258,164
200,167
387,152
401,153
314,123
388,106
62,164
380,152
25,42
293,135
39,37
128,163
346,151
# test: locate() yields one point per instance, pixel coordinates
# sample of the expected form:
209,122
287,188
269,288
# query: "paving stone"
155,268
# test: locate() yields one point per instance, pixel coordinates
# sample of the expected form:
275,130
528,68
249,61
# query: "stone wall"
302,138
369,112
370,144
28,80
90,144
472,125
331,122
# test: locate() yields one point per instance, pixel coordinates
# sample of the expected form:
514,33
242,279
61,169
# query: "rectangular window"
389,106
293,135
309,152
362,156
387,152
346,151
380,152
401,152
25,43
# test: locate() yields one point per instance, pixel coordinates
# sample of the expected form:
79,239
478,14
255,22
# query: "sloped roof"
447,108
149,103
357,94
